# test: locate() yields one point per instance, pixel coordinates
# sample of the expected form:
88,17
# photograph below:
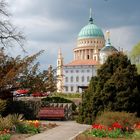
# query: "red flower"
116,125
98,126
137,125
109,129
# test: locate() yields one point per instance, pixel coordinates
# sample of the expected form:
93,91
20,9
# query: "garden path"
66,130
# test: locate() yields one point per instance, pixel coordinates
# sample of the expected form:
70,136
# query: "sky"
52,24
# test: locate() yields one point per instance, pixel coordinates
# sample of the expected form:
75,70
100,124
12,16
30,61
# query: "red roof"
82,62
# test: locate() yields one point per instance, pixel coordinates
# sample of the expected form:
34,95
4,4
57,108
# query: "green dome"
90,31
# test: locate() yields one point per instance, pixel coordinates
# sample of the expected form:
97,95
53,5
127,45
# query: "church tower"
59,72
107,50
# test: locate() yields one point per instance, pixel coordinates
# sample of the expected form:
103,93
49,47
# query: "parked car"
20,92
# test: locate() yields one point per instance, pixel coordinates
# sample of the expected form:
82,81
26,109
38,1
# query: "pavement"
66,130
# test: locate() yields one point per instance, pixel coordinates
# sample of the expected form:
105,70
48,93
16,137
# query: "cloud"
125,37
51,24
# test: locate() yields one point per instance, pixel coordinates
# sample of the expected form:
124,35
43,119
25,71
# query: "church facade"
91,51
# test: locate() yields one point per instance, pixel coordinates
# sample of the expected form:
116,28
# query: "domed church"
89,53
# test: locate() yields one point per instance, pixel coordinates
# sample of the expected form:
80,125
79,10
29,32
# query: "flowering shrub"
113,131
116,125
35,123
28,127
122,120
5,131
5,134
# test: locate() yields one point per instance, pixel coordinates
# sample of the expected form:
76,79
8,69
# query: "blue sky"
54,24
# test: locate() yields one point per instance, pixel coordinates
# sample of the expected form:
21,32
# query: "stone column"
85,54
81,54
78,54
90,54
74,55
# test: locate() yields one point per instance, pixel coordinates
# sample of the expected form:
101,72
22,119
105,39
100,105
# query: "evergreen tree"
116,88
86,108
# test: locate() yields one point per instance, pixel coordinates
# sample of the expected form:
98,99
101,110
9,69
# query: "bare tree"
9,34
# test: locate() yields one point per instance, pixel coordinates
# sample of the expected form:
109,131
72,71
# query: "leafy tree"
24,73
51,80
38,81
135,56
11,69
116,88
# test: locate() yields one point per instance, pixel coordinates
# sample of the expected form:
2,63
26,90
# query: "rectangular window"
66,88
71,88
71,79
71,71
83,79
77,79
88,78
66,79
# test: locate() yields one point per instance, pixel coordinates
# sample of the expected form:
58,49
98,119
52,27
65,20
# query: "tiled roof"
82,62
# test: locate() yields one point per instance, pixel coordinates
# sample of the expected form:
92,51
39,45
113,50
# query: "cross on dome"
90,17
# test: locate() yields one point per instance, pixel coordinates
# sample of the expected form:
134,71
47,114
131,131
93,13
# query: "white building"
77,73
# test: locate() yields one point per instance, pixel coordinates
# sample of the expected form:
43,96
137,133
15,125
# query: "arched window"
87,56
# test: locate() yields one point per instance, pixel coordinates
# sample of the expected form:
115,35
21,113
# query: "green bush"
3,104
5,123
5,137
26,129
15,123
67,95
28,108
9,121
126,120
48,100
